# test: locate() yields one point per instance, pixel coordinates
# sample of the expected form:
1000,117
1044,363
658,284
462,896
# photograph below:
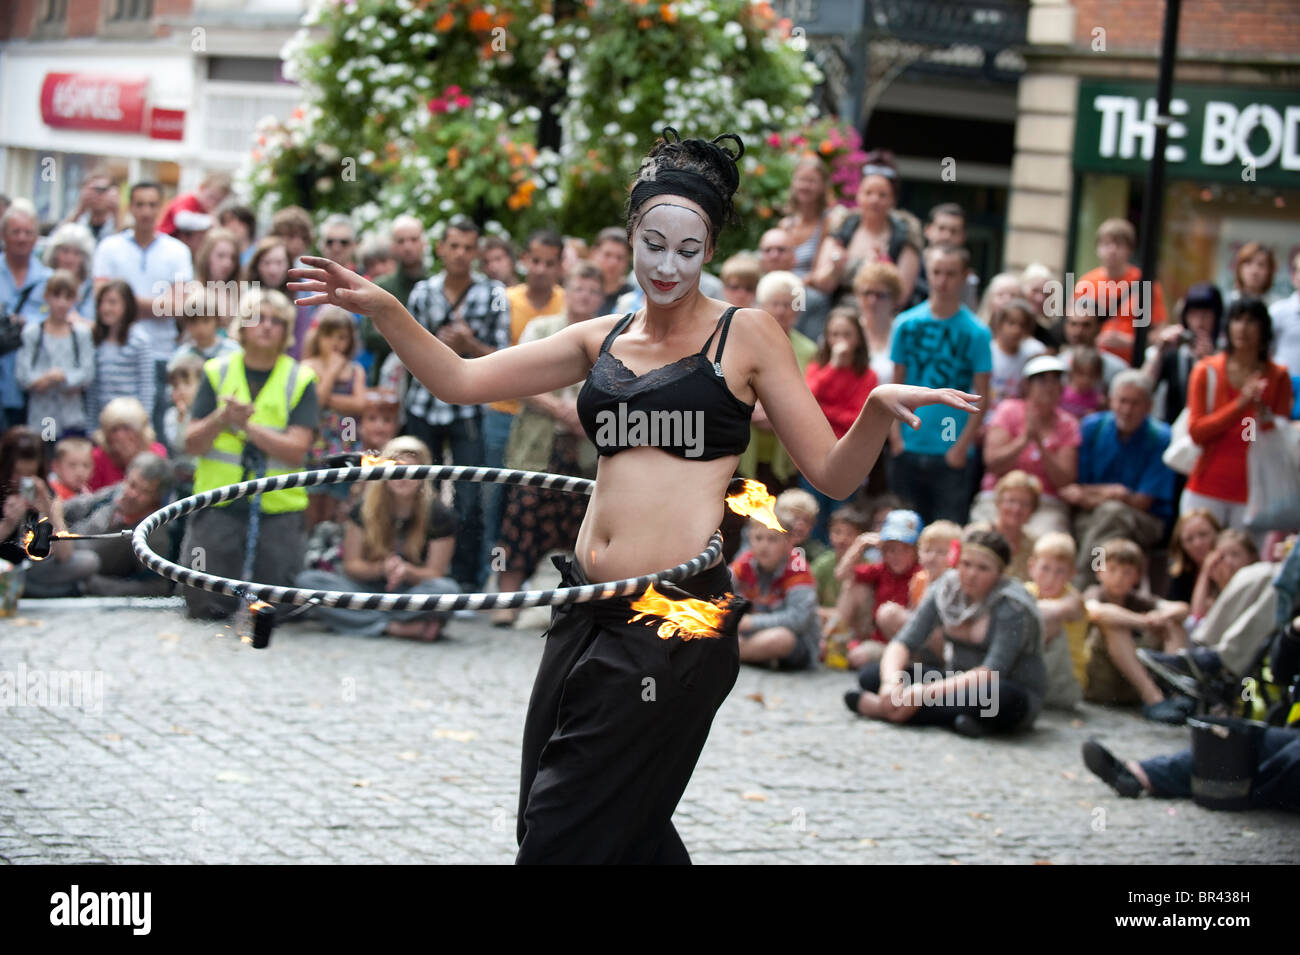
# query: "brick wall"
1236,27
83,17
17,18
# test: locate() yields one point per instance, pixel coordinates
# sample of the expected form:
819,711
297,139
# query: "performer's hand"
902,400
331,284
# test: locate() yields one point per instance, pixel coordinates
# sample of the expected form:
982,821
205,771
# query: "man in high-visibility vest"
255,413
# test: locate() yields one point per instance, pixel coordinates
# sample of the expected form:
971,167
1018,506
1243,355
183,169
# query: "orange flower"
765,212
503,19
668,13
480,20
644,23
453,157
760,169
298,113
444,23
826,148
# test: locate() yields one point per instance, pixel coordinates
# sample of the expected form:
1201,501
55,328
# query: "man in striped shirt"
470,313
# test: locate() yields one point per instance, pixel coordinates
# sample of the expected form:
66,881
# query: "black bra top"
684,408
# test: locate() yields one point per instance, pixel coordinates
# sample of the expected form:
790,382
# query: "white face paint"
668,248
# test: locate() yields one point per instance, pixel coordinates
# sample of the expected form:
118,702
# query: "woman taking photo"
994,634
602,771
398,539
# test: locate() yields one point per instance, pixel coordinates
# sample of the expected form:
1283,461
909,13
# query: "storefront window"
1205,223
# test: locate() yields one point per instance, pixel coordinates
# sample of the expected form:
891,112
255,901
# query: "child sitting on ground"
73,462
802,508
781,630
846,524
1065,621
876,597
1121,621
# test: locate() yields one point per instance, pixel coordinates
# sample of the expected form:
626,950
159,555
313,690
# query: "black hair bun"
709,159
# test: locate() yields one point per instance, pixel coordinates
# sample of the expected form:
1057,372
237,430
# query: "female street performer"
618,716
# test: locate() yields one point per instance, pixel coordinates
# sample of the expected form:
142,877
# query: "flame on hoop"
692,617
30,536
754,501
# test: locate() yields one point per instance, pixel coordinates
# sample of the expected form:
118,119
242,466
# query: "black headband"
685,183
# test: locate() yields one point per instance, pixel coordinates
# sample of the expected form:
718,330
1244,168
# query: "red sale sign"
85,101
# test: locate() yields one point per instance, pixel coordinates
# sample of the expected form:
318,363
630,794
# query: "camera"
28,487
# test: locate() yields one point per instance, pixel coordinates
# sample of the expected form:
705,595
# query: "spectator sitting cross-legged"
1065,620
782,630
1122,621
399,540
874,598
1190,543
994,641
25,498
121,507
73,462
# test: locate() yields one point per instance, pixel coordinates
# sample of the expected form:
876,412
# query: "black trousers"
616,722
1013,702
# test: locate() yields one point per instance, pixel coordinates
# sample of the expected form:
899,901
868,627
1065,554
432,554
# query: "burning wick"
38,539
263,615
754,501
691,617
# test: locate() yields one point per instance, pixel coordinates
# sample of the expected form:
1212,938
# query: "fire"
258,605
36,541
691,617
27,543
754,501
370,461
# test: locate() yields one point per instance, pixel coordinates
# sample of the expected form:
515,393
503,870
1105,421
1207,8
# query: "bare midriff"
651,510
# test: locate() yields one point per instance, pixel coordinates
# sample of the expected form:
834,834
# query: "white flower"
555,197
366,157
732,29
626,105
543,21
565,51
532,114
709,16
353,87
629,140
324,184
367,24
611,129
447,205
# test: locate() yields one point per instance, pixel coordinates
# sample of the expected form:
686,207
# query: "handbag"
1273,479
1183,453
11,323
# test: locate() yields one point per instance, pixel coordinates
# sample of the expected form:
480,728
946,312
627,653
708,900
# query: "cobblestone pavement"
327,748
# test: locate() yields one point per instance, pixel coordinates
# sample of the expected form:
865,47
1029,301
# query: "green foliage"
437,107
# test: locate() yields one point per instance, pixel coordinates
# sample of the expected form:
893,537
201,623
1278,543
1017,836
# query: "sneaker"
1173,669
969,726
1166,711
1103,764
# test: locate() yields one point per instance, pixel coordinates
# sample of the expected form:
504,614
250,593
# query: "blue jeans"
934,490
496,432
1277,776
465,436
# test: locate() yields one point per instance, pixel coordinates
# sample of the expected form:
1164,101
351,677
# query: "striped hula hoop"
250,590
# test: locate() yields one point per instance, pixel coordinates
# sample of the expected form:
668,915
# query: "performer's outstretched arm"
534,368
834,467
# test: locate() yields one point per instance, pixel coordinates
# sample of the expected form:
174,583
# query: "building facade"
1085,134
145,89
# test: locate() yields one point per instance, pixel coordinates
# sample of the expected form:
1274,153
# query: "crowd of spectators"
1097,511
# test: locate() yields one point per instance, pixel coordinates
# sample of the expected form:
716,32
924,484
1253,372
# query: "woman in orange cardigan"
1248,390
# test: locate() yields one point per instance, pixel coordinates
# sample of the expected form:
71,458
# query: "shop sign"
114,104
167,124
1222,134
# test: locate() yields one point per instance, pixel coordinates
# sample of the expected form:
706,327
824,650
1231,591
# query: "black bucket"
1225,754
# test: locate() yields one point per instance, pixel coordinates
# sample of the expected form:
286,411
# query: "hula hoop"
252,590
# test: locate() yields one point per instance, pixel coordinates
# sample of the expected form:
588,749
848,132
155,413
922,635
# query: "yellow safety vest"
221,465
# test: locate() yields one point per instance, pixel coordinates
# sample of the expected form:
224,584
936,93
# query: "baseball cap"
1042,364
902,526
